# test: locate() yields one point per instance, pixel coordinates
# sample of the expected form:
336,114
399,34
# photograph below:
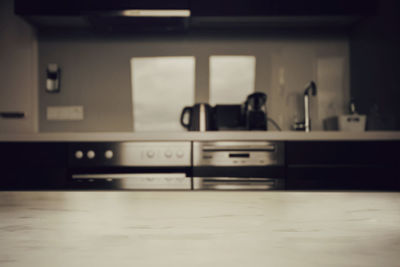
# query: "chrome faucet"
307,118
306,124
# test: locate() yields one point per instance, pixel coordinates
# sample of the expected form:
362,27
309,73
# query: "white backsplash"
97,73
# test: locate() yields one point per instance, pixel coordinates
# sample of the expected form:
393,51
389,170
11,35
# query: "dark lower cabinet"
309,165
33,165
342,178
344,165
26,178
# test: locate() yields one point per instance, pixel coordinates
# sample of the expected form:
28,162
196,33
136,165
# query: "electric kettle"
200,117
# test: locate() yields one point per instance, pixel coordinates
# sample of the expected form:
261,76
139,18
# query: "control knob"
150,154
179,154
78,154
90,154
168,153
109,154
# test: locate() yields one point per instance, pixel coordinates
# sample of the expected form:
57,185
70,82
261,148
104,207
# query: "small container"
353,122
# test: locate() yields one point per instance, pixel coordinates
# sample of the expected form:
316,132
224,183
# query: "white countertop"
221,135
47,229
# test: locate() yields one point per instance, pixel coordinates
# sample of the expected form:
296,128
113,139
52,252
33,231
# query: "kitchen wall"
96,74
18,75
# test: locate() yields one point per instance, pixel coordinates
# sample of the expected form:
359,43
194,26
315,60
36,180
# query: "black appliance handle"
186,109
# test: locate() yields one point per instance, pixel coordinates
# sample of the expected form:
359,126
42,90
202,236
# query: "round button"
179,153
109,154
90,154
150,154
78,154
168,153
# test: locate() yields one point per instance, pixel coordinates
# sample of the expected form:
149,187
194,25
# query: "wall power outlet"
64,113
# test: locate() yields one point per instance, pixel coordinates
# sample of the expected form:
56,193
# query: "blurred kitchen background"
140,81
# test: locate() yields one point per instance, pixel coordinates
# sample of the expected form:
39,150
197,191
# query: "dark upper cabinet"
218,14
76,7
325,7
136,4
222,8
102,16
282,7
204,7
46,7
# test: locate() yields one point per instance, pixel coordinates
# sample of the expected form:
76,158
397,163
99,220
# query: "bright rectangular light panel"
161,88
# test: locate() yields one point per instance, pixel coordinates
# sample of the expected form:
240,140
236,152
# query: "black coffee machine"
255,111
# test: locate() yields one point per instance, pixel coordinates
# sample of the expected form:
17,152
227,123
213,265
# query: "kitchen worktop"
222,135
199,229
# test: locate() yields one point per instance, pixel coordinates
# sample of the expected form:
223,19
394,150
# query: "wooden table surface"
131,228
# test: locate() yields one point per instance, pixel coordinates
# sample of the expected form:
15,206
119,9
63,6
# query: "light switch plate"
65,113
